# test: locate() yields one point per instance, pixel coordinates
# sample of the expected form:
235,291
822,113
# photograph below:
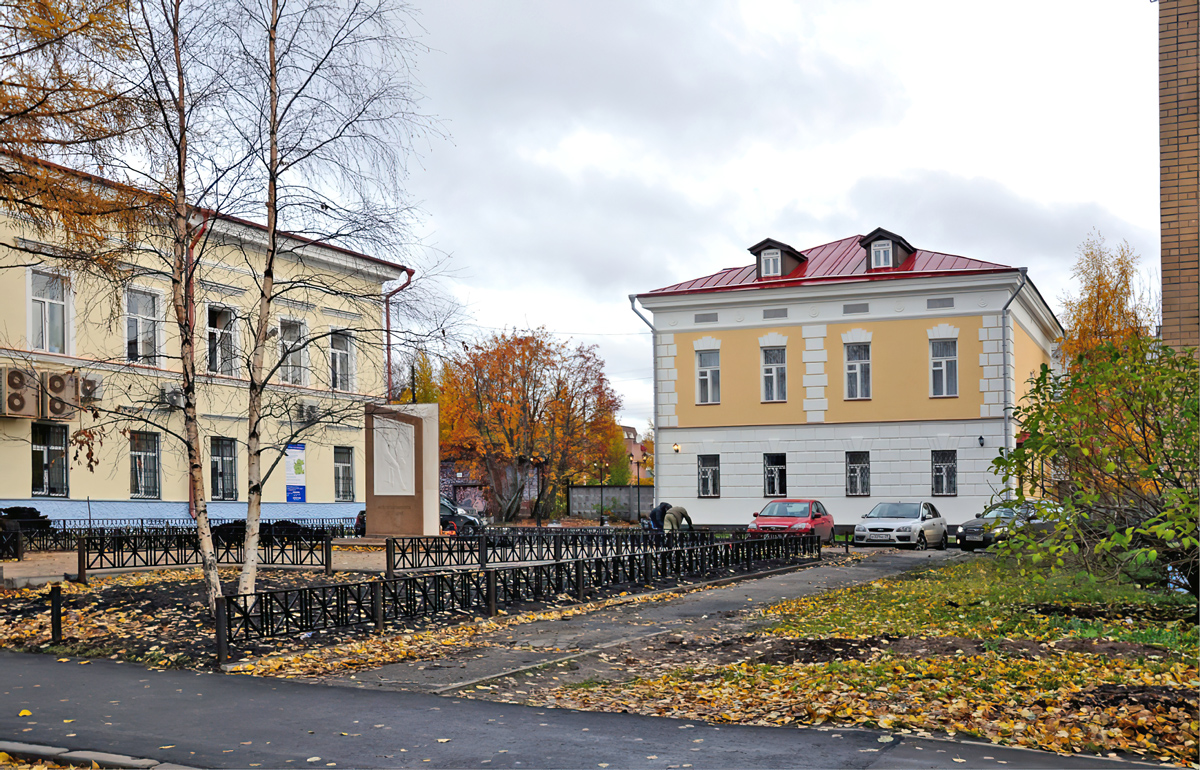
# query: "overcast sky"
599,149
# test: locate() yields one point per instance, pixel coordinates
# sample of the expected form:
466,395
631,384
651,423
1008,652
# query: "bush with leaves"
1115,440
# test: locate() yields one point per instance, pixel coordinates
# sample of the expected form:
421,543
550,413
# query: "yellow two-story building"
853,372
89,365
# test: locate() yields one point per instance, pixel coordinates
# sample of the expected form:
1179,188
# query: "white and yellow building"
852,372
118,345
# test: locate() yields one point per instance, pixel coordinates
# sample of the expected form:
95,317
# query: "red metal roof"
844,260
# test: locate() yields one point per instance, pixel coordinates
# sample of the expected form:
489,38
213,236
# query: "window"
343,474
705,318
939,302
708,470
224,469
858,474
291,354
220,340
49,332
708,377
774,475
858,370
143,465
774,363
945,472
340,370
881,254
855,308
49,444
943,356
775,312
141,327
771,262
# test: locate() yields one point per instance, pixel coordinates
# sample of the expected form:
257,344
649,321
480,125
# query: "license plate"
975,537
879,537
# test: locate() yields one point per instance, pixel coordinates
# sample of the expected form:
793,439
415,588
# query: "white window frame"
775,375
774,476
157,319
352,362
708,477
943,365
881,255
138,476
708,378
301,364
856,369
938,473
68,311
772,263
234,363
346,473
228,465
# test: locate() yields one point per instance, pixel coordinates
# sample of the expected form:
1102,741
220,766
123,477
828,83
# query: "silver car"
909,525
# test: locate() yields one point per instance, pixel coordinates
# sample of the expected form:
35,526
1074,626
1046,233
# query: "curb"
37,752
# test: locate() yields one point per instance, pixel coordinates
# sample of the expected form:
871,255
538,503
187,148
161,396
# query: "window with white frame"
943,357
224,469
772,262
881,254
343,474
49,313
774,366
858,370
775,475
49,445
708,377
708,472
141,327
341,346
221,349
858,474
945,472
291,352
144,465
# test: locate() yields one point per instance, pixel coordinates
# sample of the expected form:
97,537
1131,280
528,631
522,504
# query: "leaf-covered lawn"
1041,693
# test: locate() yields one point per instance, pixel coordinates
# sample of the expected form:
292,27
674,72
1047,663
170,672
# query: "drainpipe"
1004,351
654,372
387,311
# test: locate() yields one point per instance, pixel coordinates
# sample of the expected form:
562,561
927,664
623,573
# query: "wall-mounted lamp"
981,441
675,447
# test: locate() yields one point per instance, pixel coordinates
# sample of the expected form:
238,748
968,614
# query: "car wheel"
921,542
944,542
966,547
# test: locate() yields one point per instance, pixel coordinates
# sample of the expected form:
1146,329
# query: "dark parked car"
23,519
269,532
793,517
995,524
459,520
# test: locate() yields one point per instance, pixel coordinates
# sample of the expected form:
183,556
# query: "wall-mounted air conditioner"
170,396
60,395
91,388
19,393
308,412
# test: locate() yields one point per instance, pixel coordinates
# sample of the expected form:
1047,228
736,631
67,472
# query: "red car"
793,517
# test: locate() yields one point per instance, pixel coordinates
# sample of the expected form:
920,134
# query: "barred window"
858,474
144,465
49,444
775,475
943,357
945,472
708,469
224,469
343,474
774,365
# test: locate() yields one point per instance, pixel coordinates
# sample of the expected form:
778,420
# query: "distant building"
635,449
856,371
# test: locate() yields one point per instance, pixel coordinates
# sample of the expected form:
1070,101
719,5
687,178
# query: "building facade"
92,367
854,372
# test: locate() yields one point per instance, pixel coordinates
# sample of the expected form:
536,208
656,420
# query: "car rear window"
796,510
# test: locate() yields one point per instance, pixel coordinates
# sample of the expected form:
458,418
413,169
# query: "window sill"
955,395
868,398
858,495
708,403
774,401
943,494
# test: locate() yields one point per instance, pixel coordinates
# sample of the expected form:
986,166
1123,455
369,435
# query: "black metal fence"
99,552
63,535
422,595
11,545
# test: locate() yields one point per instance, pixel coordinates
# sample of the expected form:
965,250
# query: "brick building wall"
1179,162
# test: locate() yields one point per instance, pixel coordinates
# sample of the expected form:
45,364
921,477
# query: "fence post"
56,613
490,583
848,536
390,552
579,579
648,566
377,605
81,547
20,545
222,632
483,560
328,552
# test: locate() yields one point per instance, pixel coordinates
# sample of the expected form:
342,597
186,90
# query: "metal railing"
12,545
418,595
126,551
63,535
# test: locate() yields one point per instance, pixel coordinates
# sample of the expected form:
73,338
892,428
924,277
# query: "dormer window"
881,254
772,263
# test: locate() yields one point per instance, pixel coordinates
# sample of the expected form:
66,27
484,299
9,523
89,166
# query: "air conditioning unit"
308,412
60,395
171,397
19,396
91,388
